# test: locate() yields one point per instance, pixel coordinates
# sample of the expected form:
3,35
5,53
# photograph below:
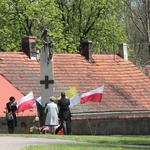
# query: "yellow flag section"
73,95
70,93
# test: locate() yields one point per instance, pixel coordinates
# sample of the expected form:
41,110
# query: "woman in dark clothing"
11,108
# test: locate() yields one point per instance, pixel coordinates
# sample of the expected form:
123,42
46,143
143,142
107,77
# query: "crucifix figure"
47,44
46,68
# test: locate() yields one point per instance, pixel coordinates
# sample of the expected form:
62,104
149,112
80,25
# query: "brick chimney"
86,50
123,51
29,46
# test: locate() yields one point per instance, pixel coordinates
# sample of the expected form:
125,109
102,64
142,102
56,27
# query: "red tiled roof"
126,87
22,72
16,81
6,91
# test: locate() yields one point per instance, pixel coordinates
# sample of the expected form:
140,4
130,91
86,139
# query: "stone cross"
46,67
46,82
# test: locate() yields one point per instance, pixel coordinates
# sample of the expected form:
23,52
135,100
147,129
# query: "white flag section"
72,94
25,102
74,100
92,96
39,100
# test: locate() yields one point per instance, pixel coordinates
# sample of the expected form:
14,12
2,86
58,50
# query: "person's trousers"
66,125
10,125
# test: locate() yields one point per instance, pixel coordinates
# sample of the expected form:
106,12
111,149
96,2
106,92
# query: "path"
16,143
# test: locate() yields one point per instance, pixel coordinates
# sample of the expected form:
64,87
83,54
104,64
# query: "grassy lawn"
111,139
99,142
78,147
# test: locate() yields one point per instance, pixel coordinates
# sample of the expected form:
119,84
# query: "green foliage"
99,21
25,18
137,22
68,23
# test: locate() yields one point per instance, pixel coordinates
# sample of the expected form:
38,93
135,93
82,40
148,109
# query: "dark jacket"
64,110
11,108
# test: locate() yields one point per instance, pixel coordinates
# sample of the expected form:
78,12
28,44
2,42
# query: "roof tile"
126,87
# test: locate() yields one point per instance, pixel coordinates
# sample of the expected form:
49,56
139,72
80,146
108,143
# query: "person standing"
51,111
11,107
64,114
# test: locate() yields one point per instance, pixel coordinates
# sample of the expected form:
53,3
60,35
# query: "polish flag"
25,102
92,96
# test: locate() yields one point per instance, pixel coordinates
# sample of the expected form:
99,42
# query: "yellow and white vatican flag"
73,95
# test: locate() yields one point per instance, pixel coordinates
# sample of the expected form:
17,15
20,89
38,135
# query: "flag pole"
93,96
88,122
90,126
97,119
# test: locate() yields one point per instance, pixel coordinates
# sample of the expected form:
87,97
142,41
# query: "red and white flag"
92,96
25,102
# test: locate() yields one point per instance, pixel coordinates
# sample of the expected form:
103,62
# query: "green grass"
78,147
110,139
99,142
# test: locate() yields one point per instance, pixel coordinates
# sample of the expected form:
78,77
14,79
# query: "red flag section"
92,96
26,102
